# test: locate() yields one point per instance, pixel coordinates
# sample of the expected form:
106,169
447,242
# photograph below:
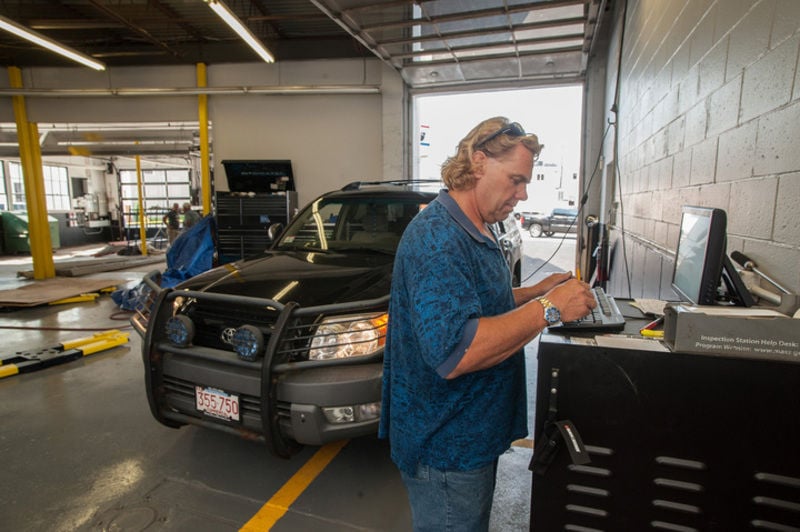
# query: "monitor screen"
700,255
259,176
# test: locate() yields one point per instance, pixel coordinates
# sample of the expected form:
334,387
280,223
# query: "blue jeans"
457,501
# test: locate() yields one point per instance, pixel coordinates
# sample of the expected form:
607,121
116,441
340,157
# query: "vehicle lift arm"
27,361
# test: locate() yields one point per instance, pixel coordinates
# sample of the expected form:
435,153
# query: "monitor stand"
737,291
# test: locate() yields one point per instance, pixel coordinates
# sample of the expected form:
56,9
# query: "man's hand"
528,293
573,299
551,281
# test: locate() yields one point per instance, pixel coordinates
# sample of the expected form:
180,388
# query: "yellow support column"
205,172
142,213
41,234
30,156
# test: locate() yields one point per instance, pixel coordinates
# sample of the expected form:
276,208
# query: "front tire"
535,230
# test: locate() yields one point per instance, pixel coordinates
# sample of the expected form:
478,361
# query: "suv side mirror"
274,230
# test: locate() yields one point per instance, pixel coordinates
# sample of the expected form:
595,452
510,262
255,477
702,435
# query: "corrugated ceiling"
430,42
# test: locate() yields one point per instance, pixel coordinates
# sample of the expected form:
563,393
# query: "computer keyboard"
605,317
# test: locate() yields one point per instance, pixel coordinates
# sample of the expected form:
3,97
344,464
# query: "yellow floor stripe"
279,504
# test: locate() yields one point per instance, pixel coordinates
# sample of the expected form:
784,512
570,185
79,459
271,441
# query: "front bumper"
281,401
306,393
301,396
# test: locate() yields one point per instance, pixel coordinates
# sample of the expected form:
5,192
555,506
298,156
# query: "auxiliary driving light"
248,342
180,330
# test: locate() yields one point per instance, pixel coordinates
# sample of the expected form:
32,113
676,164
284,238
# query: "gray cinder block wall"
709,114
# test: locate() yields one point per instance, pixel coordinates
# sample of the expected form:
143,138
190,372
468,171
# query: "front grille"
296,340
211,321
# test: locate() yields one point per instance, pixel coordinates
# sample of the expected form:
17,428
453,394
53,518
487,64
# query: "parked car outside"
287,347
525,215
520,216
558,221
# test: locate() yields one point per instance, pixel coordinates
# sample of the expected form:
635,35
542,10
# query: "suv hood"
307,278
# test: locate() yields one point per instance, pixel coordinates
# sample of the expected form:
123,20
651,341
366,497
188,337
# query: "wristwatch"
551,314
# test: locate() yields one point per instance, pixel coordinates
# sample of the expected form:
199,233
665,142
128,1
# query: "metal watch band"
551,314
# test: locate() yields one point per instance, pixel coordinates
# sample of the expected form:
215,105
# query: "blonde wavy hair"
458,171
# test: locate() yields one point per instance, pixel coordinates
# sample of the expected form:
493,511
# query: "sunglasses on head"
512,130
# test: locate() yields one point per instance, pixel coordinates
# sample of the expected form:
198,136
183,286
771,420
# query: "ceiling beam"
382,6
173,16
73,24
259,5
293,17
136,28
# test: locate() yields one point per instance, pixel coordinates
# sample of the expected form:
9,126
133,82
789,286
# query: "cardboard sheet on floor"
76,268
46,290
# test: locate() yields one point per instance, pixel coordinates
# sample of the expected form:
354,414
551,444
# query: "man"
190,217
173,224
454,395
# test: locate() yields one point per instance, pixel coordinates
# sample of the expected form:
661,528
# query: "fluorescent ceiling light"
37,38
243,31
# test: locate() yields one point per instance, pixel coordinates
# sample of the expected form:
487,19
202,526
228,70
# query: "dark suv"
287,347
558,221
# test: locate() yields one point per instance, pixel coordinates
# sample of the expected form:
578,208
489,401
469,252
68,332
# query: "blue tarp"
191,253
131,298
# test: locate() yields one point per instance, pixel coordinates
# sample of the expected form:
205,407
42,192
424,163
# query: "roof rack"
356,185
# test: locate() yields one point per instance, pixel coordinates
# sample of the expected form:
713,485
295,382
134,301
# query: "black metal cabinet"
677,442
242,221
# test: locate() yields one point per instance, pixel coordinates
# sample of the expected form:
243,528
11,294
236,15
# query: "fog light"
248,342
180,330
353,413
340,414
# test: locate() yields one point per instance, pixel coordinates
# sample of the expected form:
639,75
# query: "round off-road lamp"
180,330
248,342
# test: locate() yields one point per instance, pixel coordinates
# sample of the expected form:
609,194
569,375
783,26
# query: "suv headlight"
349,336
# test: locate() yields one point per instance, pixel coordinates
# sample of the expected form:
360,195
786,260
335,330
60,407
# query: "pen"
653,324
647,333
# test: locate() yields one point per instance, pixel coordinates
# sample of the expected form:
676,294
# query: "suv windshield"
350,223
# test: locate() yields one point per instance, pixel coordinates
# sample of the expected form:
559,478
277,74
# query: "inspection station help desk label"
750,333
755,345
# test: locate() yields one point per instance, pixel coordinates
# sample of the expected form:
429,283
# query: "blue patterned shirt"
446,276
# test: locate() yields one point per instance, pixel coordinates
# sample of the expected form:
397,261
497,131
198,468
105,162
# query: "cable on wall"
581,205
615,149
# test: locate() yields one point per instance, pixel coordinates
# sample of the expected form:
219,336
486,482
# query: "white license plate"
217,403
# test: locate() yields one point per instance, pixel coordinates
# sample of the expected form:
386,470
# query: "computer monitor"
701,264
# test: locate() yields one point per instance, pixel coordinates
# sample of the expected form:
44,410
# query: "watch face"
552,315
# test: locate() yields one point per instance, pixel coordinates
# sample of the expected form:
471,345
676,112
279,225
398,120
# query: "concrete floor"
82,451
